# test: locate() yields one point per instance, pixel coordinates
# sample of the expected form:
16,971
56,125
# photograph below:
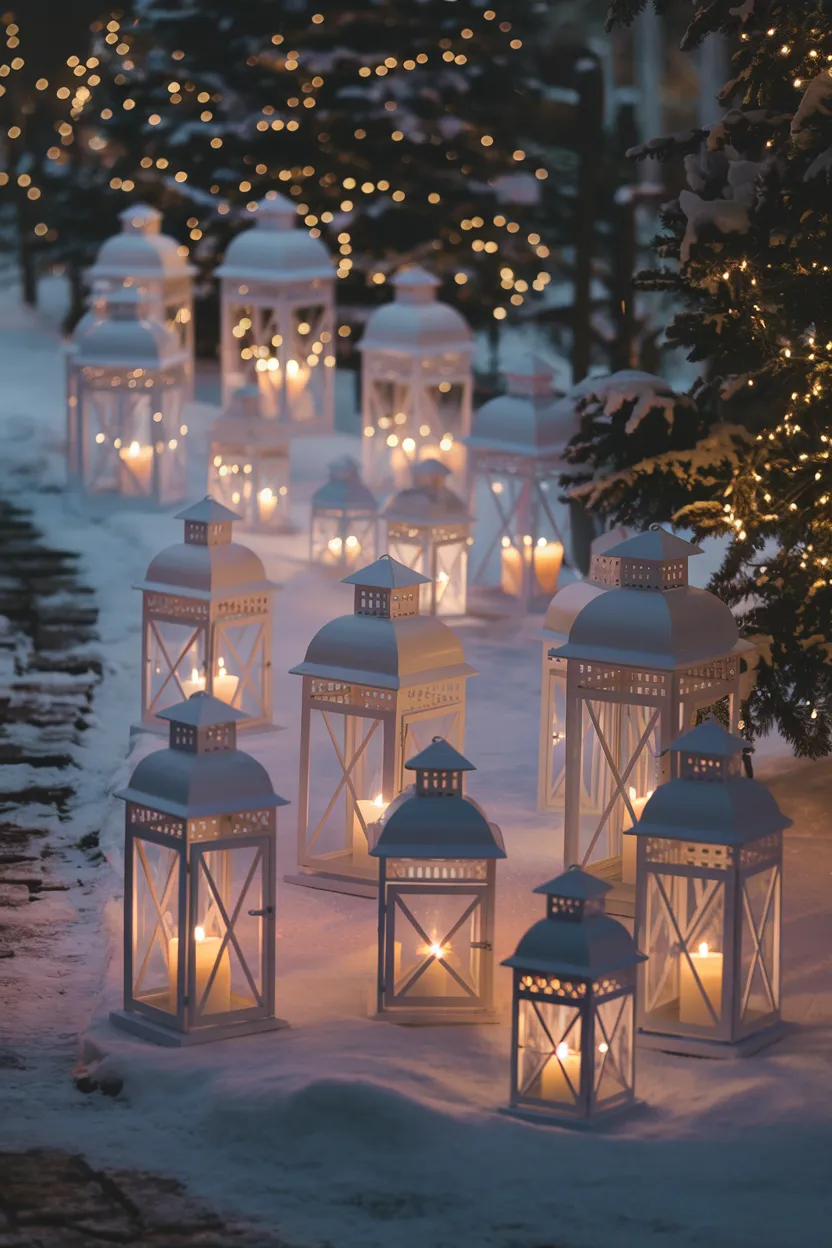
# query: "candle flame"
292,368
265,495
352,542
603,1047
220,662
633,794
194,674
703,949
562,1050
199,933
134,450
378,801
436,950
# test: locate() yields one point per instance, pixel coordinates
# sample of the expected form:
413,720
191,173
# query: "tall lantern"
199,884
416,383
207,621
429,529
278,319
559,618
641,660
344,528
572,1058
516,460
142,255
248,465
127,380
710,864
437,856
377,686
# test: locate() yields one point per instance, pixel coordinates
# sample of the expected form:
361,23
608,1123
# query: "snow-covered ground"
355,1134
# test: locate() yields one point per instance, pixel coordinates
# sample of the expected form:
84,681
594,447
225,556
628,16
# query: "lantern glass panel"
451,577
228,944
133,445
613,1057
549,1052
343,541
435,934
759,945
155,952
253,482
340,810
628,733
175,663
239,675
420,727
412,552
685,920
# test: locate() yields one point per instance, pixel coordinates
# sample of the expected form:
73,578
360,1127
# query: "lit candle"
629,843
511,569
545,559
435,981
369,811
548,558
195,685
136,469
266,504
692,1005
553,1079
206,949
225,685
332,550
352,547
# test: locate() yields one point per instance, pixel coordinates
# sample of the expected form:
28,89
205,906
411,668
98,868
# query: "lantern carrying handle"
268,913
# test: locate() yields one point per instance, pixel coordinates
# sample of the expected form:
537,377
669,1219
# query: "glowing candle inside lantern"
206,950
195,685
548,558
562,1069
225,685
511,569
136,469
435,981
370,811
692,1005
629,843
266,504
544,559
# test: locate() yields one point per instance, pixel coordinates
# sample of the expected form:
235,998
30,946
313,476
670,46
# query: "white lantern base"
169,1038
551,1117
692,1046
331,882
405,1016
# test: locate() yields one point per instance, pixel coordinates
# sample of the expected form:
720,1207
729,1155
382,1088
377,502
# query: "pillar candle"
266,505
224,684
136,469
195,685
548,558
692,1006
553,1083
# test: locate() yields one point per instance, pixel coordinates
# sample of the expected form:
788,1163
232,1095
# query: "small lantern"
141,255
710,866
516,460
344,529
437,877
560,616
199,884
207,621
573,1008
416,383
642,659
377,685
126,386
248,465
278,319
429,529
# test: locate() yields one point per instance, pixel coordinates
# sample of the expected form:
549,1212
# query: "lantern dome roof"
385,653
125,333
386,573
415,322
275,250
140,250
428,501
344,491
528,419
418,826
709,740
193,786
207,571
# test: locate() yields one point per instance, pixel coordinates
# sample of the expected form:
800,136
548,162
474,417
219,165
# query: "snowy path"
360,1135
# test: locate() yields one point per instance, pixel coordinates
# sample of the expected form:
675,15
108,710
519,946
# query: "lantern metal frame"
126,389
574,975
207,598
384,677
641,661
248,466
710,863
415,352
436,848
429,530
210,811
142,255
343,530
278,306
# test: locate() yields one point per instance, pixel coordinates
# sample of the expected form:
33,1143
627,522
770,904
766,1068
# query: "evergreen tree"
749,240
394,124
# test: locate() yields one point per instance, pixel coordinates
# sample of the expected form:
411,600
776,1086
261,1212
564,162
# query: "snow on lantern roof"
125,333
428,500
274,250
576,937
440,755
528,420
202,710
386,573
415,322
344,491
140,250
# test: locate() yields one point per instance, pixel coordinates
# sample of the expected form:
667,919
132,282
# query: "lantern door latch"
481,944
267,912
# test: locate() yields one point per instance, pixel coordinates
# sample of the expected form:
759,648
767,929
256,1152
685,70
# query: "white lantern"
559,618
515,461
641,660
207,621
377,686
429,530
248,465
572,1058
344,528
437,857
278,319
710,867
199,884
141,255
126,386
416,383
